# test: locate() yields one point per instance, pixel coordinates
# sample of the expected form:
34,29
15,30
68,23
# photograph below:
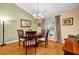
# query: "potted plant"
77,37
71,36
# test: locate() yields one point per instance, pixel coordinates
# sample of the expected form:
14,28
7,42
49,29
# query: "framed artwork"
39,24
25,23
67,21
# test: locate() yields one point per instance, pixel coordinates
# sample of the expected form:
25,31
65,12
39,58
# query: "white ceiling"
46,8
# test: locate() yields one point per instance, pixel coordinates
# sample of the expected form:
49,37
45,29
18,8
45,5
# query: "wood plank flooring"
53,48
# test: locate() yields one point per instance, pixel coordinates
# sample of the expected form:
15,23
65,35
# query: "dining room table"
37,36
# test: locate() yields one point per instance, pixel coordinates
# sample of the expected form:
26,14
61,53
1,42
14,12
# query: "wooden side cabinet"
71,47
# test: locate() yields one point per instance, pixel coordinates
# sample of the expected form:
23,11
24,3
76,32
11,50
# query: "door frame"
58,28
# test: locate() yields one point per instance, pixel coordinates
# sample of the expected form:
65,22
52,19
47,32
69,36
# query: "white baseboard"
12,41
62,42
52,39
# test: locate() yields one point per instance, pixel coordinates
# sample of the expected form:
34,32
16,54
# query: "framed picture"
25,23
39,24
67,21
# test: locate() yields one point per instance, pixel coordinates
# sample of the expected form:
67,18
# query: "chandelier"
38,13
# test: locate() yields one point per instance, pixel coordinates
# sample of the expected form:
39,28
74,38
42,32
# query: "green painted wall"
14,14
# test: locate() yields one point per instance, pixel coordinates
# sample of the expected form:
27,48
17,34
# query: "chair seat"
41,39
22,39
30,42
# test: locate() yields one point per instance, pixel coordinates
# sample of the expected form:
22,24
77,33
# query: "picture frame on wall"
39,24
25,23
67,21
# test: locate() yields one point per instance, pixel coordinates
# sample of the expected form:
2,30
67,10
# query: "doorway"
58,28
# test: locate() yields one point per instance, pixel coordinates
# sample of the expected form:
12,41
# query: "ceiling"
46,8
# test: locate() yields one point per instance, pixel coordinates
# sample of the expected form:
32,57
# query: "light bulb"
39,14
34,15
2,18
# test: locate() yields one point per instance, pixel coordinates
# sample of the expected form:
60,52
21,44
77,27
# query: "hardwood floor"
53,48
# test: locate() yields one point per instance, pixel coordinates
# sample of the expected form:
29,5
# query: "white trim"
52,39
63,42
12,41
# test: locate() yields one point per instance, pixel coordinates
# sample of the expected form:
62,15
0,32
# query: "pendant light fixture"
38,13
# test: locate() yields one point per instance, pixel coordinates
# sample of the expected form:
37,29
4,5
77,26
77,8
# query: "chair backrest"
43,33
46,37
20,33
30,35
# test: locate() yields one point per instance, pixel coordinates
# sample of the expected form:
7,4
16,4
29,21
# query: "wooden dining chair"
45,38
21,37
30,39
